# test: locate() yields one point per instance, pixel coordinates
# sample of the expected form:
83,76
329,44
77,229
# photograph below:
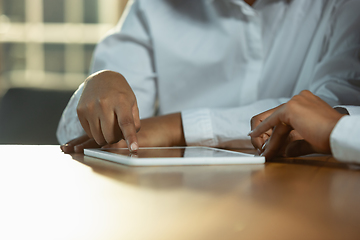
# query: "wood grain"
46,194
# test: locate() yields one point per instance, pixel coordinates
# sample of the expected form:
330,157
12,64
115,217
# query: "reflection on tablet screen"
149,153
173,152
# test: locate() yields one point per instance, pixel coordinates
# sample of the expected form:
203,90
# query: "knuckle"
123,98
137,126
291,104
102,103
125,121
298,99
84,108
254,120
80,109
295,98
305,93
81,112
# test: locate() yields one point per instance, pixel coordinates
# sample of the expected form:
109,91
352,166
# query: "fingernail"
134,147
250,132
261,155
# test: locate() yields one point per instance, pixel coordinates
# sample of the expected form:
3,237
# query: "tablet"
157,156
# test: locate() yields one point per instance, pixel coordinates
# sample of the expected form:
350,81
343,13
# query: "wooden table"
46,194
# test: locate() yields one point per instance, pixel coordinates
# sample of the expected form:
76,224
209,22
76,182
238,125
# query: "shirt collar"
245,8
257,1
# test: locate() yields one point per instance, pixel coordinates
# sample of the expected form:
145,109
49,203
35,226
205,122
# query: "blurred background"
45,52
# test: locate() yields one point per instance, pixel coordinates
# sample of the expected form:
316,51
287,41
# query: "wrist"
175,129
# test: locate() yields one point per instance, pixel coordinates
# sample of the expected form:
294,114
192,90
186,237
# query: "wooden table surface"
45,194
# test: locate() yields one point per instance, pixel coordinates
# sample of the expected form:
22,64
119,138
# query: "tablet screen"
180,152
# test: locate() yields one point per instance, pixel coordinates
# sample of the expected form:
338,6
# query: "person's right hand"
261,141
108,110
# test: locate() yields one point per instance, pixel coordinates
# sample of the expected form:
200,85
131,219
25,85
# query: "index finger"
268,123
127,125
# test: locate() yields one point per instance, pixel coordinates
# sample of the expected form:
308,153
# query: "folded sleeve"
345,141
69,126
126,49
221,127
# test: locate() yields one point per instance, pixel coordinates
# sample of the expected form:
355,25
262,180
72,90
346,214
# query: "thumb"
299,148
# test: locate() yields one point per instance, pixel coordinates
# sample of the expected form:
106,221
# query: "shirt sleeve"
223,127
126,49
69,125
345,141
335,78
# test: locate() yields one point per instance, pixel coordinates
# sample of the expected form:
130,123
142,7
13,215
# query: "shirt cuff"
197,127
343,140
69,126
351,110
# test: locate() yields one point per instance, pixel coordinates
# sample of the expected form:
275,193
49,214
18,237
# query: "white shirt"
345,137
219,62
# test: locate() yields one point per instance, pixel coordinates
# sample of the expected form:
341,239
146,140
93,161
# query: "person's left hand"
161,131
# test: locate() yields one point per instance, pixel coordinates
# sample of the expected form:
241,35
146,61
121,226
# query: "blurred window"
14,9
53,11
54,58
15,53
88,51
90,11
49,43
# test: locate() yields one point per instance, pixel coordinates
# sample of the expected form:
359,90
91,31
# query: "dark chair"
31,116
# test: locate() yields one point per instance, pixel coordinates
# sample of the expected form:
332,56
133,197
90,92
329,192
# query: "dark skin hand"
108,110
260,142
162,131
312,118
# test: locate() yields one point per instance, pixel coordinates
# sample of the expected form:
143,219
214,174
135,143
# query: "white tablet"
173,156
